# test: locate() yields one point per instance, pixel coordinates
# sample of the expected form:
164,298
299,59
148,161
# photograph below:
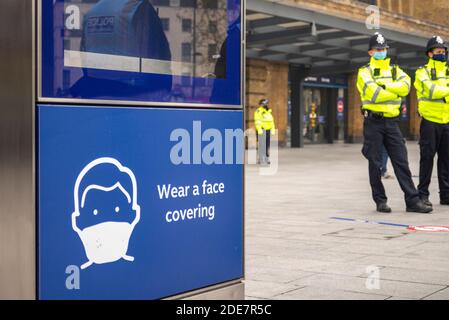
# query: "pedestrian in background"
265,127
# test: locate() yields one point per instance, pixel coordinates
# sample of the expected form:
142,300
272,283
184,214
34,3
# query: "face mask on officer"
379,54
439,54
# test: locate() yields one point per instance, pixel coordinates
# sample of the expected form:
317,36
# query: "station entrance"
324,110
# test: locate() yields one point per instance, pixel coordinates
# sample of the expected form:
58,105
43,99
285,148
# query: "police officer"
431,83
264,123
382,87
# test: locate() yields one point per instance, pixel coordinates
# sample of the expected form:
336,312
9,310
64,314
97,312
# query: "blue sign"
137,203
326,82
142,51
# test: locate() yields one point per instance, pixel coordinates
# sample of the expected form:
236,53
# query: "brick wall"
424,17
355,118
434,11
268,79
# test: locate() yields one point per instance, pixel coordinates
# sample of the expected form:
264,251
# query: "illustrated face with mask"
105,213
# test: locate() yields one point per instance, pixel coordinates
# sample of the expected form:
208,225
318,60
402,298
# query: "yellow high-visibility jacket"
433,92
369,83
264,120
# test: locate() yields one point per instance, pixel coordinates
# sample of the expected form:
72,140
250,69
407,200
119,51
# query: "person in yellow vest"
382,87
313,122
432,88
265,127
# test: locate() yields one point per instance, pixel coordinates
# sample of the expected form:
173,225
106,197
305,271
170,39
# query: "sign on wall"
138,203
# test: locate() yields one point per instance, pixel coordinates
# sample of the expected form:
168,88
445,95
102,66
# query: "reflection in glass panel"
144,49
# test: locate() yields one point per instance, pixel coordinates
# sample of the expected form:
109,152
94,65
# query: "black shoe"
444,202
383,207
426,202
419,207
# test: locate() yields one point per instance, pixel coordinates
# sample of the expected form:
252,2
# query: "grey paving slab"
414,275
290,233
284,263
338,268
386,249
306,254
318,293
265,289
361,284
275,275
406,263
440,295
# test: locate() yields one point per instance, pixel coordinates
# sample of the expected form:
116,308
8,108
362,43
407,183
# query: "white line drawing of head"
108,241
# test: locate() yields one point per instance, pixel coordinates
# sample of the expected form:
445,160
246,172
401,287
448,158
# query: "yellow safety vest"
263,120
369,83
433,91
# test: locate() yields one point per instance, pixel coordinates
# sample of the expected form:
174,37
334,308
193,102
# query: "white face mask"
106,242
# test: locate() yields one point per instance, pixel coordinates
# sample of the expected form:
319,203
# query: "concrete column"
297,107
332,95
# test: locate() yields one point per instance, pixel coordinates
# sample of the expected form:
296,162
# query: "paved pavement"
295,251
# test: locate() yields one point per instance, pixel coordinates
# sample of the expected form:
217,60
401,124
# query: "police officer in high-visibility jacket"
432,88
382,87
264,123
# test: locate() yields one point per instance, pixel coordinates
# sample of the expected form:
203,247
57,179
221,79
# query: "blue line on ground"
372,222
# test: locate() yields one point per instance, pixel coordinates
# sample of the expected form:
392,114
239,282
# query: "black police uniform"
381,131
434,139
378,131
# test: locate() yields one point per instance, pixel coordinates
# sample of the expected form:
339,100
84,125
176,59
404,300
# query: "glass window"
187,25
373,2
139,50
213,27
161,3
212,52
165,24
210,4
188,3
186,52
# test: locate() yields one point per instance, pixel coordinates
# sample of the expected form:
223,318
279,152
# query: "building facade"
319,49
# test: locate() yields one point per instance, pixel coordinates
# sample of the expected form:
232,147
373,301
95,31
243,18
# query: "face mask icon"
105,213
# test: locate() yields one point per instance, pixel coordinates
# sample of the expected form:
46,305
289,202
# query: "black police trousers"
263,146
434,140
385,131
